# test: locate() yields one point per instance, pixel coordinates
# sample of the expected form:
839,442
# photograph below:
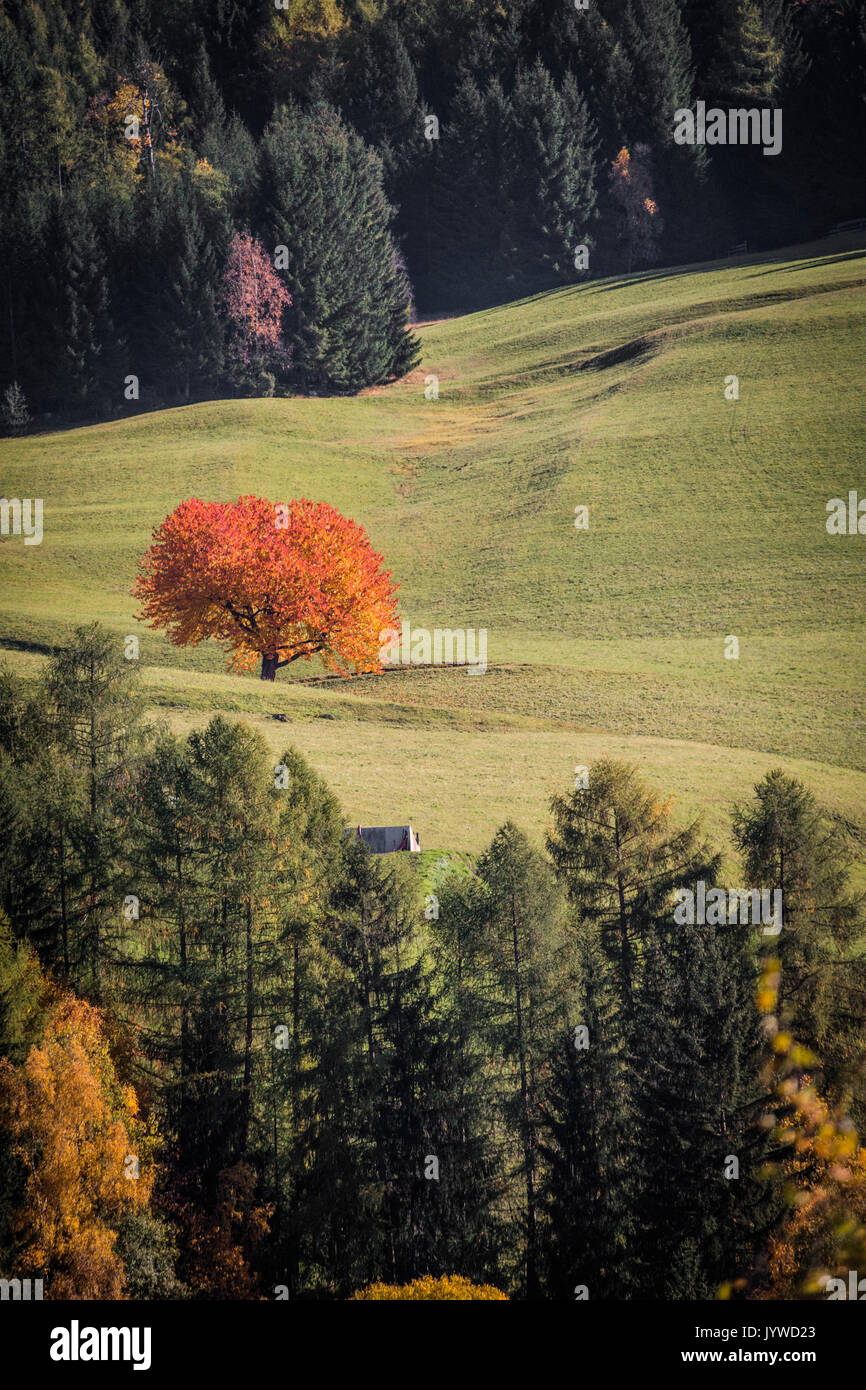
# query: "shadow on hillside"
19,644
782,257
623,281
813,264
626,352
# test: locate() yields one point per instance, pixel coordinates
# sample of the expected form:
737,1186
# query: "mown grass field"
707,518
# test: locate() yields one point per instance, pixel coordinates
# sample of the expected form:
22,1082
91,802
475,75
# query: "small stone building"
388,839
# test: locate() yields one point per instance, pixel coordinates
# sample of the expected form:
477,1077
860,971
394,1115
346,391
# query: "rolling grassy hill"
706,519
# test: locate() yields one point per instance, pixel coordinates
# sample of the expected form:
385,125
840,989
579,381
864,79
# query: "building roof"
388,839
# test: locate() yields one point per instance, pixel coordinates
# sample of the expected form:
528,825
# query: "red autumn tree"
254,297
270,581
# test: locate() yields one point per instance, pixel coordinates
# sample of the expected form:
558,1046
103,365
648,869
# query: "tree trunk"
296,1028
64,922
248,1032
269,667
184,973
625,944
532,1289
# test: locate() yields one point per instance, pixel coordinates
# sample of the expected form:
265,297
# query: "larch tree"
96,719
85,1150
276,582
787,842
619,857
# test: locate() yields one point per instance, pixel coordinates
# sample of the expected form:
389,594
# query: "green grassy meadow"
706,519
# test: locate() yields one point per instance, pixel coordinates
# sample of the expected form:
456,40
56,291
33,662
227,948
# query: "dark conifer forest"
418,157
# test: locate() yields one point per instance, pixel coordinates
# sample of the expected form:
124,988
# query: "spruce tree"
326,205
529,1002
175,335
468,260
73,321
659,52
589,1142
696,1056
553,196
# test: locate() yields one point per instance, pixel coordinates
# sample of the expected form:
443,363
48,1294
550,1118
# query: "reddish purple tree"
254,298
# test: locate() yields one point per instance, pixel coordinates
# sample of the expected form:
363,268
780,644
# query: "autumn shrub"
821,1174
451,1286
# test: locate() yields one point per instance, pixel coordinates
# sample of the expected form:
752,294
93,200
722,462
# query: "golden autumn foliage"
824,1236
621,166
823,1181
301,23
451,1286
85,1151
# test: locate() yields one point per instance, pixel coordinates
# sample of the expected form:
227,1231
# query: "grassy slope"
706,518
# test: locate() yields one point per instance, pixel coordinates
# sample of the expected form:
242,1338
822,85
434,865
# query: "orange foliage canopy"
270,581
85,1152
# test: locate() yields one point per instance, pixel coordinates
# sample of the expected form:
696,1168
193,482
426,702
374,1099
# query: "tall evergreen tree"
96,717
72,320
554,200
696,1053
326,205
788,843
659,52
529,998
589,1142
174,334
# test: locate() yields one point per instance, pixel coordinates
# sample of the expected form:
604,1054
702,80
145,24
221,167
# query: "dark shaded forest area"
425,155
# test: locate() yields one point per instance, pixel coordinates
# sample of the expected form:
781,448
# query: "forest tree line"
241,1054
384,157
